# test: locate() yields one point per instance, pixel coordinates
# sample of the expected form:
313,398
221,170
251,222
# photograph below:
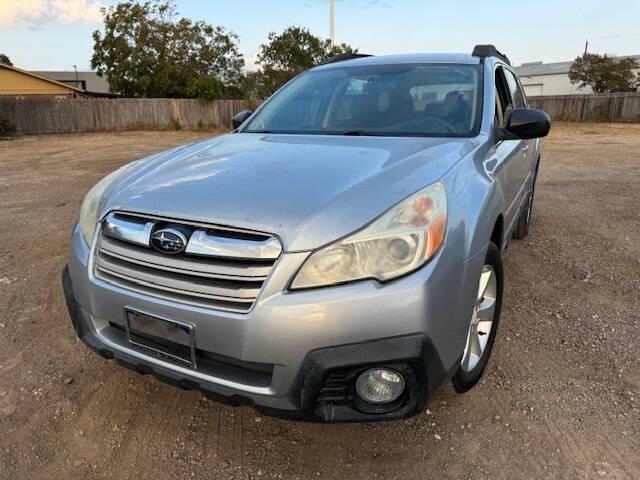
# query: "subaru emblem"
169,240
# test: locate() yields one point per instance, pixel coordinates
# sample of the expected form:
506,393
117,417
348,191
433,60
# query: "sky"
56,34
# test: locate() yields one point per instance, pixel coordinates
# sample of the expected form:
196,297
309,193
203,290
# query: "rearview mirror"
525,123
240,118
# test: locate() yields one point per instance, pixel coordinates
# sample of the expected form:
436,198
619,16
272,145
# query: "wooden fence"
103,114
52,115
611,107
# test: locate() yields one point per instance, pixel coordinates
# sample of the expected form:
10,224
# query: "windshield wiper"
361,133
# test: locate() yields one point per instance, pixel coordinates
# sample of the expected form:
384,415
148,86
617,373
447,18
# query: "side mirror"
525,123
240,118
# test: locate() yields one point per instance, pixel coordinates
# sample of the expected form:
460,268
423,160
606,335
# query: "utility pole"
586,46
332,30
75,67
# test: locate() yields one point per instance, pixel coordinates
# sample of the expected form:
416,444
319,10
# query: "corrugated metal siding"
533,90
93,82
556,84
553,85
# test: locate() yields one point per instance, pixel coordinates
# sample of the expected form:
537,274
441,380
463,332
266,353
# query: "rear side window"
503,97
517,96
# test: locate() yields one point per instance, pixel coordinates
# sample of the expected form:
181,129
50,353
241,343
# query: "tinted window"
406,99
503,98
516,92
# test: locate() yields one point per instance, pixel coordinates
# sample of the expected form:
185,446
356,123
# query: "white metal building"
86,81
550,79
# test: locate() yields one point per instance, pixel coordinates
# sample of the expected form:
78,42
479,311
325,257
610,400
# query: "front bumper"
414,355
294,350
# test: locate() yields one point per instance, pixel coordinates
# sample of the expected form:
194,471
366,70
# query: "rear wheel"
522,227
483,323
524,220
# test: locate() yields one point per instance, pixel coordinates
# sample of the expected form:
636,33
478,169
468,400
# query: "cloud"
250,62
36,13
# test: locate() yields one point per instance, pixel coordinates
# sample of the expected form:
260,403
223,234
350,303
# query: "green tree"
604,73
258,85
146,51
206,88
287,54
7,128
4,59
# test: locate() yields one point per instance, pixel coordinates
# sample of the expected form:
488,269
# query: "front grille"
229,277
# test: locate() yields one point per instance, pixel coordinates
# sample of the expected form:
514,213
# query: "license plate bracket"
170,340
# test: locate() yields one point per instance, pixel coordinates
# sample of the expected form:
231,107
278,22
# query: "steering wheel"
448,128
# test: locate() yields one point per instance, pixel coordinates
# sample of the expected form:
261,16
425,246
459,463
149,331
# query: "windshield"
390,100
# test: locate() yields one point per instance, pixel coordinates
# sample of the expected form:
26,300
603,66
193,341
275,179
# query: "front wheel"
483,323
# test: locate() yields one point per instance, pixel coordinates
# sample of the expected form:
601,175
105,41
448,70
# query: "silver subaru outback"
337,257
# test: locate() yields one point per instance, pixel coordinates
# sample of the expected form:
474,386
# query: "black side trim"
414,355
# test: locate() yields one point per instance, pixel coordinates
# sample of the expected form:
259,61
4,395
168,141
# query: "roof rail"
345,56
484,51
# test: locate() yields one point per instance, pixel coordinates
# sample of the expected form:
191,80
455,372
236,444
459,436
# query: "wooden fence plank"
613,107
33,115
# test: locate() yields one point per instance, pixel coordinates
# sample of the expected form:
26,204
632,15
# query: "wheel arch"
497,234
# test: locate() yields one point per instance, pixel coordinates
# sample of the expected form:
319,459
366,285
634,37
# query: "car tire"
472,365
522,226
524,220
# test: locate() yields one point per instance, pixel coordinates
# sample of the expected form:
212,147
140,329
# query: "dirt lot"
560,398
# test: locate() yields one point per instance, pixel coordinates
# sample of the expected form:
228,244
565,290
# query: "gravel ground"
560,398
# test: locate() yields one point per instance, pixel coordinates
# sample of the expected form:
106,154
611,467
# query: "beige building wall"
17,83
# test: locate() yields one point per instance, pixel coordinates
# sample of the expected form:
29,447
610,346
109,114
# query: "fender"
476,201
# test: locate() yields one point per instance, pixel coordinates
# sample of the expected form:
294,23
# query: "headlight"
398,242
89,210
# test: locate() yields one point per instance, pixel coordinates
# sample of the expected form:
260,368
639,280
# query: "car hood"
309,190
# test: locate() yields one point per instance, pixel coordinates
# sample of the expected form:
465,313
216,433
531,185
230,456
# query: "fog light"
380,385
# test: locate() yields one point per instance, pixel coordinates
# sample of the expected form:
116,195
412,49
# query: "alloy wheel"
481,319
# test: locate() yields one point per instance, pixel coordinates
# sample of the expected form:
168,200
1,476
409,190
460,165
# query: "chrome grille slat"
178,282
216,281
226,305
127,229
174,290
201,243
195,265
